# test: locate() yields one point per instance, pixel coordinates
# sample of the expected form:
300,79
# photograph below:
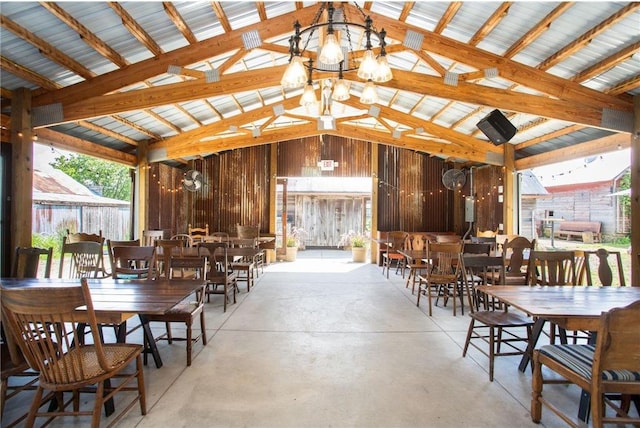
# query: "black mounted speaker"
497,127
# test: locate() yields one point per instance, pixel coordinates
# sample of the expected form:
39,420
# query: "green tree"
111,177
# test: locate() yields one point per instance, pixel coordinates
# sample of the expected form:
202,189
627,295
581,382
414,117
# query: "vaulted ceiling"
189,79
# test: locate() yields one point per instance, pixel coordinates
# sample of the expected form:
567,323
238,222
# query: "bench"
587,231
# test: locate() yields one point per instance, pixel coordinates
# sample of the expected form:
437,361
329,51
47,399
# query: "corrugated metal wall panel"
487,181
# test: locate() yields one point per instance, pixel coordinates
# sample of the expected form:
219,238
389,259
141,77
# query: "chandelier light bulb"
383,71
308,96
369,93
331,52
341,91
295,75
368,65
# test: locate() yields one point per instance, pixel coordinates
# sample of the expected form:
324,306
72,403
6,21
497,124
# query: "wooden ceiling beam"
87,36
105,131
491,23
586,38
530,77
594,147
78,145
607,63
448,16
136,29
179,22
46,49
222,17
24,73
182,57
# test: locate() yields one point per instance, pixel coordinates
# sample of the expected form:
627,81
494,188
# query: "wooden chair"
26,262
244,264
167,248
448,238
495,328
70,365
219,237
134,262
443,273
190,308
486,233
198,234
475,272
491,240
515,254
552,268
112,243
151,236
416,266
599,263
85,259
88,237
245,231
220,274
188,241
611,366
394,241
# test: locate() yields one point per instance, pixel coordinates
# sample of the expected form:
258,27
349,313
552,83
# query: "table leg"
149,342
553,245
535,334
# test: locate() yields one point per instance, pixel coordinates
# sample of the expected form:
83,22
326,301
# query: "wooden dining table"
117,300
570,307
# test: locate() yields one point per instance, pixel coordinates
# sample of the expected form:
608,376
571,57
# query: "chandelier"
336,56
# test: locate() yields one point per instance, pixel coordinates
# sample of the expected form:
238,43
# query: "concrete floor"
324,342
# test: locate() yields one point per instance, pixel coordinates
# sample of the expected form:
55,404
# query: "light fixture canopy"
332,53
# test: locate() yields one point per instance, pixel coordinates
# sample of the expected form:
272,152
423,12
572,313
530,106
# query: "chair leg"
95,417
142,395
169,337
203,329
492,350
468,341
35,403
189,344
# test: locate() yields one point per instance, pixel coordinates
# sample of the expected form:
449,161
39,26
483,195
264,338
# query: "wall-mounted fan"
453,179
192,180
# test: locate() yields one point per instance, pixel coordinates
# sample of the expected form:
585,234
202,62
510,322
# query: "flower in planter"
353,240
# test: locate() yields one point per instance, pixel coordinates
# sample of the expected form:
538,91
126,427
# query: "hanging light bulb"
331,52
383,71
369,93
368,65
341,88
295,75
309,94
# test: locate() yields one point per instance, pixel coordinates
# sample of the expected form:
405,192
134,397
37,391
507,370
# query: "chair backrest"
445,259
111,243
188,241
218,258
600,263
397,240
82,236
486,233
501,239
27,260
551,268
581,267
617,348
219,237
477,248
245,243
485,240
417,242
85,259
198,234
515,254
134,262
245,231
44,321
475,264
194,267
166,248
448,238
151,236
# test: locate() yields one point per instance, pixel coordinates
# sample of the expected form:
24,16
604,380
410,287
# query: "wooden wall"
236,187
488,208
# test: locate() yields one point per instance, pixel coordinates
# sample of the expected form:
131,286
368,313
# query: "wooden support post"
22,168
142,191
635,194
273,201
375,194
509,200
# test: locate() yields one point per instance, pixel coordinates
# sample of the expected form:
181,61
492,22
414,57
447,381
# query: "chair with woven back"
26,262
443,274
63,361
395,241
609,368
191,308
85,259
198,234
89,237
220,278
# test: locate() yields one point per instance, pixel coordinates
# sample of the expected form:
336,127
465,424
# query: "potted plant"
358,244
292,249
